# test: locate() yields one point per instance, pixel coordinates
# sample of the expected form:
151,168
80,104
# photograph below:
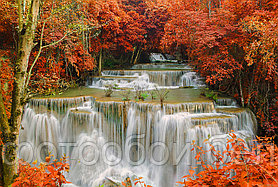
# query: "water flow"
148,77
108,142
161,66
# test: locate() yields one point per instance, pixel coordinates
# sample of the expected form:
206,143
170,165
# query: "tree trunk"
100,62
25,44
250,88
241,92
133,52
5,130
1,167
161,104
137,56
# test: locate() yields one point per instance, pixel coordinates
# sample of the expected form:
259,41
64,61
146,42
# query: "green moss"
210,94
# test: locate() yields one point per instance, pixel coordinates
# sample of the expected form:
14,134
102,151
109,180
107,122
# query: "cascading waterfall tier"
160,66
146,79
127,128
226,103
108,142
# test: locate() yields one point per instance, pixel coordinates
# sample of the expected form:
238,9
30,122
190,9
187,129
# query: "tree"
156,16
27,23
233,45
31,41
62,52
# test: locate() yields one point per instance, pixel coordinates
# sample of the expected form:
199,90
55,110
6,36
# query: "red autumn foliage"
246,166
6,79
81,29
124,31
8,19
46,174
157,15
127,182
66,56
255,166
234,44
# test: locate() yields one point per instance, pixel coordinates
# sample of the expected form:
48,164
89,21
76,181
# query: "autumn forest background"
233,44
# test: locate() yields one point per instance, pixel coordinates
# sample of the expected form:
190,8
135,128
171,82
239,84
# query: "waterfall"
157,57
37,131
147,78
161,66
191,79
226,102
97,124
108,142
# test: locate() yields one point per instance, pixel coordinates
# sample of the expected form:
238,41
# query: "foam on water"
108,142
148,79
95,124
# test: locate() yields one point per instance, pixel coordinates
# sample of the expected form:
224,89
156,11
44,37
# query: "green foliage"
111,63
126,95
144,95
152,94
209,94
140,94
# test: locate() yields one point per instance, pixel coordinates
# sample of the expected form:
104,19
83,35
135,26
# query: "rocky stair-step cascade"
132,128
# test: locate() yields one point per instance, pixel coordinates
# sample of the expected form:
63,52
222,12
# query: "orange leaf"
16,183
50,169
47,159
191,172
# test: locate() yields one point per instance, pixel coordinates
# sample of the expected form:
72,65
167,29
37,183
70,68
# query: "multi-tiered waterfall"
149,76
109,141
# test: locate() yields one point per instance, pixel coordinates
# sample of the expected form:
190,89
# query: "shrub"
126,95
209,94
152,94
140,94
46,174
109,89
257,166
162,95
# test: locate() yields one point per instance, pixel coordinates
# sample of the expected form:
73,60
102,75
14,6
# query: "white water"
161,66
147,79
157,57
226,103
106,142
